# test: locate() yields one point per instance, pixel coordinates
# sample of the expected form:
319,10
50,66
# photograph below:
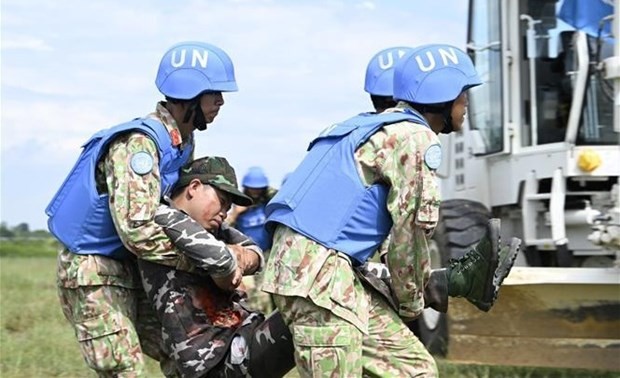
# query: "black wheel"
561,257
462,223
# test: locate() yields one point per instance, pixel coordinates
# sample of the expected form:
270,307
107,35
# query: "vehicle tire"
462,223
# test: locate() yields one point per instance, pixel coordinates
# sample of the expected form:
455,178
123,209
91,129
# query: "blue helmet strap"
200,123
447,118
445,109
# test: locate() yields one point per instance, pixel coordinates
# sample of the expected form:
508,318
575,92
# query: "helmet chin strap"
447,118
199,122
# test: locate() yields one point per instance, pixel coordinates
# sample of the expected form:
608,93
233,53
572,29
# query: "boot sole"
505,266
493,233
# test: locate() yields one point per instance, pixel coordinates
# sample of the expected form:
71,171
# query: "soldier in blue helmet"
379,78
379,83
250,219
362,180
103,212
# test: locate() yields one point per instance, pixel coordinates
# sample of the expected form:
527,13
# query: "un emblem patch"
432,157
141,163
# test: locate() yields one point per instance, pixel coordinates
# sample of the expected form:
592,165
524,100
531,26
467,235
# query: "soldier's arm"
249,254
200,248
413,202
134,199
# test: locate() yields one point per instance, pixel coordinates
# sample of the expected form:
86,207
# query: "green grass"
35,338
37,341
28,247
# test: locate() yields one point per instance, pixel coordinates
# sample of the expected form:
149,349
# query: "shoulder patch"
432,156
141,163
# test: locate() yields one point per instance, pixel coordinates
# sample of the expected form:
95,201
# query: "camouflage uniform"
102,297
258,299
207,331
341,327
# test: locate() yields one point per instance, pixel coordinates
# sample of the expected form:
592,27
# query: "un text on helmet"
386,61
445,55
199,58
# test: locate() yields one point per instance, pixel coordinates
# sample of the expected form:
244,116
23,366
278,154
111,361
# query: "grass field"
36,340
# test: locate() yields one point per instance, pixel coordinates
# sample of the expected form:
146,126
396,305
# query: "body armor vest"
325,199
79,216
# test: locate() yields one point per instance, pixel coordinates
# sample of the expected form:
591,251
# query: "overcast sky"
72,67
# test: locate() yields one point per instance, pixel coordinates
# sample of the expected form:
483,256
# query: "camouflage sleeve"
231,235
413,202
200,247
134,198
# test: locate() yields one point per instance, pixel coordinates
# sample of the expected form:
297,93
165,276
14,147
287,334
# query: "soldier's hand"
229,282
247,259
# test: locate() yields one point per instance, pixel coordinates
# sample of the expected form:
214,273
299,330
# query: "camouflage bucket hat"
215,171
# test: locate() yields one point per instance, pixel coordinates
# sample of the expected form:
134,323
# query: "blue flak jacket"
79,217
251,222
325,199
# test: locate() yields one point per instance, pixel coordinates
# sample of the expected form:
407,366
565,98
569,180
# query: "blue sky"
72,67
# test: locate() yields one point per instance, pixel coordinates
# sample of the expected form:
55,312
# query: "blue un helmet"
191,68
255,178
380,71
433,76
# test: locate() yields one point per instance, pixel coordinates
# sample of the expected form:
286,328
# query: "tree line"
21,231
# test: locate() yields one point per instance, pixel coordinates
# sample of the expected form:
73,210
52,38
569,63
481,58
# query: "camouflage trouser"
270,350
327,345
202,335
114,324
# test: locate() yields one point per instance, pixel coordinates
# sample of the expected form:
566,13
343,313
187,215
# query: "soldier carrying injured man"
207,327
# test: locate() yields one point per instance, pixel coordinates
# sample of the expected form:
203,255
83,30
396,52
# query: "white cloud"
370,5
24,42
59,128
71,67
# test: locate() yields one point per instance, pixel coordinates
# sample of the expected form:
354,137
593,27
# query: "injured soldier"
207,329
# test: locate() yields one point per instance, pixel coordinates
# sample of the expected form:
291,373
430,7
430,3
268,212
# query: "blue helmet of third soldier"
188,69
433,74
380,71
255,178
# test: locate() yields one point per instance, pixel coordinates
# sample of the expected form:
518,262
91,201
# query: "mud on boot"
472,276
507,257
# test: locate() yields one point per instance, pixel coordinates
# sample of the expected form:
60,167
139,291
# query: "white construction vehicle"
541,152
